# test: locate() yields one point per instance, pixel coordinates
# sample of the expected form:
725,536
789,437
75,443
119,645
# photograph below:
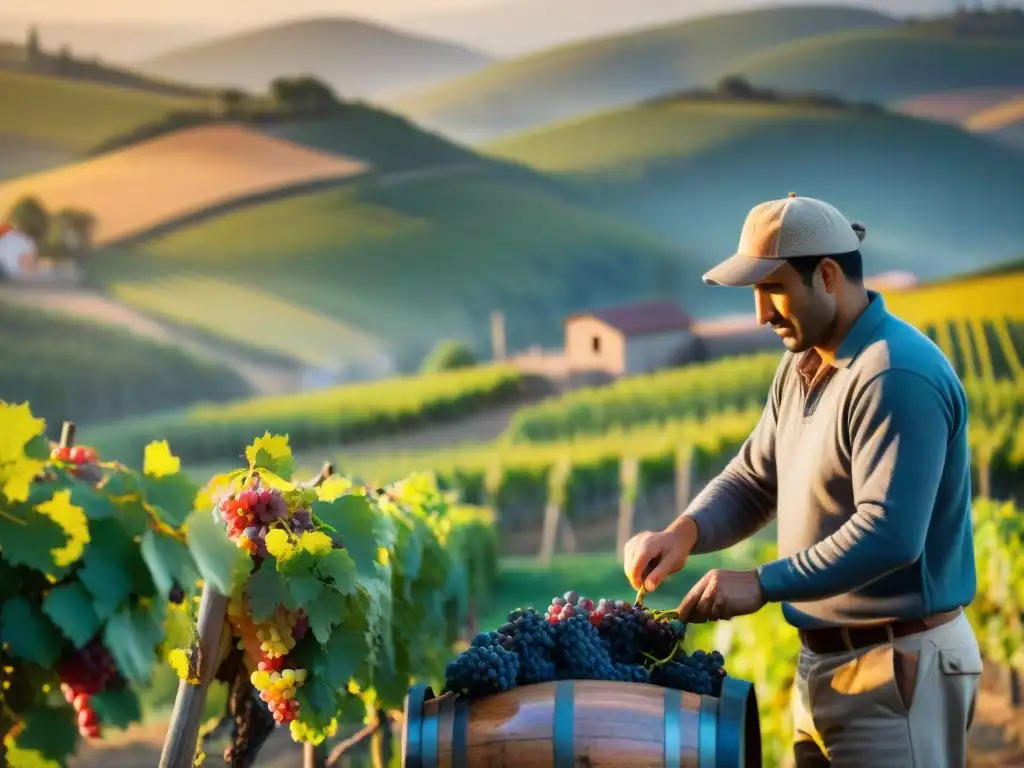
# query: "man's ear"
831,275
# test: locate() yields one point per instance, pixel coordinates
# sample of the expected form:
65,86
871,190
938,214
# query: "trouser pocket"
961,670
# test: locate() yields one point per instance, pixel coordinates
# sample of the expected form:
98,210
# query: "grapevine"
315,576
580,639
93,568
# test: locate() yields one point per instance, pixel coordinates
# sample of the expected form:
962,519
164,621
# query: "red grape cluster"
83,674
571,604
78,455
251,512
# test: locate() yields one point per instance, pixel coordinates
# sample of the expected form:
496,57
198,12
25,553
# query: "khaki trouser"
905,704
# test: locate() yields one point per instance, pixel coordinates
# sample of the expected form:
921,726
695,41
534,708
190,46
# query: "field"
577,79
75,115
252,314
89,373
315,419
884,65
408,260
184,173
641,161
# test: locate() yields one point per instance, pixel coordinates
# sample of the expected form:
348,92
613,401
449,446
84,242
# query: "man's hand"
672,546
722,595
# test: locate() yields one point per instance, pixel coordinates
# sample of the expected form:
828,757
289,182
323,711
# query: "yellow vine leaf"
72,519
179,661
315,542
158,461
334,487
17,428
271,452
279,544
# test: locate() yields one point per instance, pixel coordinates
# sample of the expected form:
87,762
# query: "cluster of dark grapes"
84,673
578,639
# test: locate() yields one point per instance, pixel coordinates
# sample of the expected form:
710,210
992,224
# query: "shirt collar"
860,333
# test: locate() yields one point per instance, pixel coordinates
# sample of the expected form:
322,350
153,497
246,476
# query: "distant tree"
735,85
304,94
448,355
231,101
31,217
70,231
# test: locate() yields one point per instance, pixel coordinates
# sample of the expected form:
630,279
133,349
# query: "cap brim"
741,271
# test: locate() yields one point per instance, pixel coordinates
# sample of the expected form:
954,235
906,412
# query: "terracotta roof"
642,318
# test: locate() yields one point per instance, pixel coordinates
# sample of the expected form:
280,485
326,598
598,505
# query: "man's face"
802,315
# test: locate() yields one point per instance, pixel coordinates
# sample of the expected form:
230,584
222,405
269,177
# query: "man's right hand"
672,546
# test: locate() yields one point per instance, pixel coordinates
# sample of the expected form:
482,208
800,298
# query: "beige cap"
778,230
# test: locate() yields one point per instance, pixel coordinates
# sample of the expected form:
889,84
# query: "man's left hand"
722,595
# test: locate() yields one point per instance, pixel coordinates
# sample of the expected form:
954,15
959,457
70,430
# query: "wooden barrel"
573,723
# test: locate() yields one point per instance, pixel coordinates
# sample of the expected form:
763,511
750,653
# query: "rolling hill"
888,65
936,200
407,258
357,58
47,121
534,90
184,173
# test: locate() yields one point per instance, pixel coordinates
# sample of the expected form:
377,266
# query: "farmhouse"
634,338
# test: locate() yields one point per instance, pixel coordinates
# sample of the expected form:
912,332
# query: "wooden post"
553,510
984,464
568,536
67,434
629,478
498,351
684,478
183,733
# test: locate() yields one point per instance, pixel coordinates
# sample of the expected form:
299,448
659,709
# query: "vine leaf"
70,608
132,637
105,572
28,632
29,539
117,708
267,590
158,461
338,569
19,430
168,561
271,452
49,735
221,564
72,520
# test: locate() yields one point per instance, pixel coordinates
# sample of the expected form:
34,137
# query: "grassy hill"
72,369
47,121
184,173
935,200
356,57
996,113
529,91
887,65
406,258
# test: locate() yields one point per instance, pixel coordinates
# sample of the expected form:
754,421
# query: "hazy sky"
219,12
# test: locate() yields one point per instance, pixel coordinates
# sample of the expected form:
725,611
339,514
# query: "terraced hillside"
577,79
681,167
162,181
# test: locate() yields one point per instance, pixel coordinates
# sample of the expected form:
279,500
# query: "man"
862,450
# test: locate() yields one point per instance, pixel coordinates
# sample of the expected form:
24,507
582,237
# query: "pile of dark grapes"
578,639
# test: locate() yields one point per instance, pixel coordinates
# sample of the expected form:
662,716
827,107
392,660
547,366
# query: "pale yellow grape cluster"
275,636
278,689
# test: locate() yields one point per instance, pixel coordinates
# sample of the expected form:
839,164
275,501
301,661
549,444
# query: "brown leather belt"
841,639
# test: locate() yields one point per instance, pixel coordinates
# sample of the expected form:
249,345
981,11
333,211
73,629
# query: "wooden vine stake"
557,480
684,478
67,434
629,481
183,734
